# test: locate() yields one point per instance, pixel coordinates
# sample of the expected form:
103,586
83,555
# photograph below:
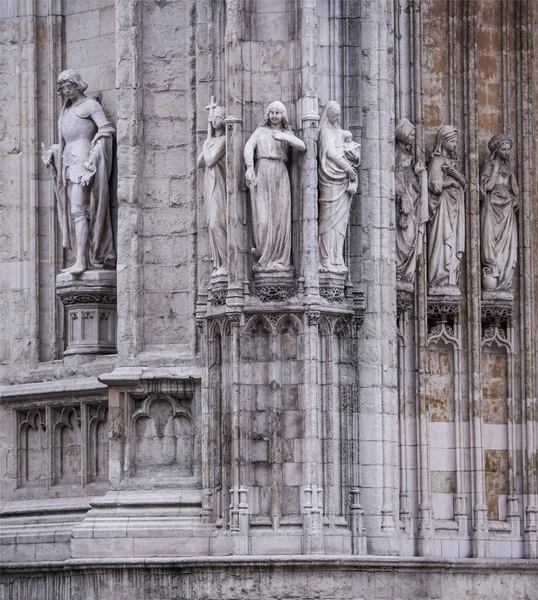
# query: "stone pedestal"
218,289
90,311
332,286
276,285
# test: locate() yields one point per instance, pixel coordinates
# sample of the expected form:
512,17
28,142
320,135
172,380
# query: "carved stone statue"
212,158
411,205
270,191
81,164
498,234
339,158
446,230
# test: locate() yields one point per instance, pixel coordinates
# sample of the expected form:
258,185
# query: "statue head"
405,132
217,116
331,114
276,110
447,139
69,79
499,146
71,76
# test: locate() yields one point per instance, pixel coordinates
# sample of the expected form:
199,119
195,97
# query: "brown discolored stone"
494,387
440,387
496,475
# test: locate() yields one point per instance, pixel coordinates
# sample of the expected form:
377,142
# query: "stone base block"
218,289
144,524
39,530
90,309
332,286
452,291
503,296
274,286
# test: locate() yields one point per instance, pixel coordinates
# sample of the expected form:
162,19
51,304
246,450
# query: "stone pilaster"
378,342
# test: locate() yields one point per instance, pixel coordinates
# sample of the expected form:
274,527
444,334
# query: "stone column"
237,242
527,19
130,157
480,527
426,531
378,424
308,109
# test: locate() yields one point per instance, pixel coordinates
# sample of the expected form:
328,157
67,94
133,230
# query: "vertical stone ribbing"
50,65
130,160
311,469
425,532
526,21
378,341
309,124
234,153
472,257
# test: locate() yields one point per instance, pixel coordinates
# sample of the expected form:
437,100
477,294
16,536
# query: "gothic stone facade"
194,423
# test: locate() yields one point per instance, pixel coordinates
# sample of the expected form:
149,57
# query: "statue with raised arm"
266,153
498,228
81,164
411,205
339,158
446,229
212,160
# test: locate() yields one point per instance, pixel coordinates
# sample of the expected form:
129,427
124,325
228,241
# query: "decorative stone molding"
404,301
218,297
333,294
496,313
332,287
61,445
443,308
313,317
278,291
90,308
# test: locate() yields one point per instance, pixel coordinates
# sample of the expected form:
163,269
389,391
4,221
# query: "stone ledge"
127,376
52,388
388,563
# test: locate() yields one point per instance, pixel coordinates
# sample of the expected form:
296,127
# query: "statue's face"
410,139
333,115
451,144
217,121
70,90
504,151
275,116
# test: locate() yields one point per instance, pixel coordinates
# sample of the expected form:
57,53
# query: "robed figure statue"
498,232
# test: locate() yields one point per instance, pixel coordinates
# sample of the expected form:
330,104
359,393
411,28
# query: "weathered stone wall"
274,434
274,579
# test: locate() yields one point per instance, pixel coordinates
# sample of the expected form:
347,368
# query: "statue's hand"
352,174
86,179
280,136
250,176
47,155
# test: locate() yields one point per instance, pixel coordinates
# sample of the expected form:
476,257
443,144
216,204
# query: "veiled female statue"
212,159
411,205
446,230
339,158
498,234
270,190
81,164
